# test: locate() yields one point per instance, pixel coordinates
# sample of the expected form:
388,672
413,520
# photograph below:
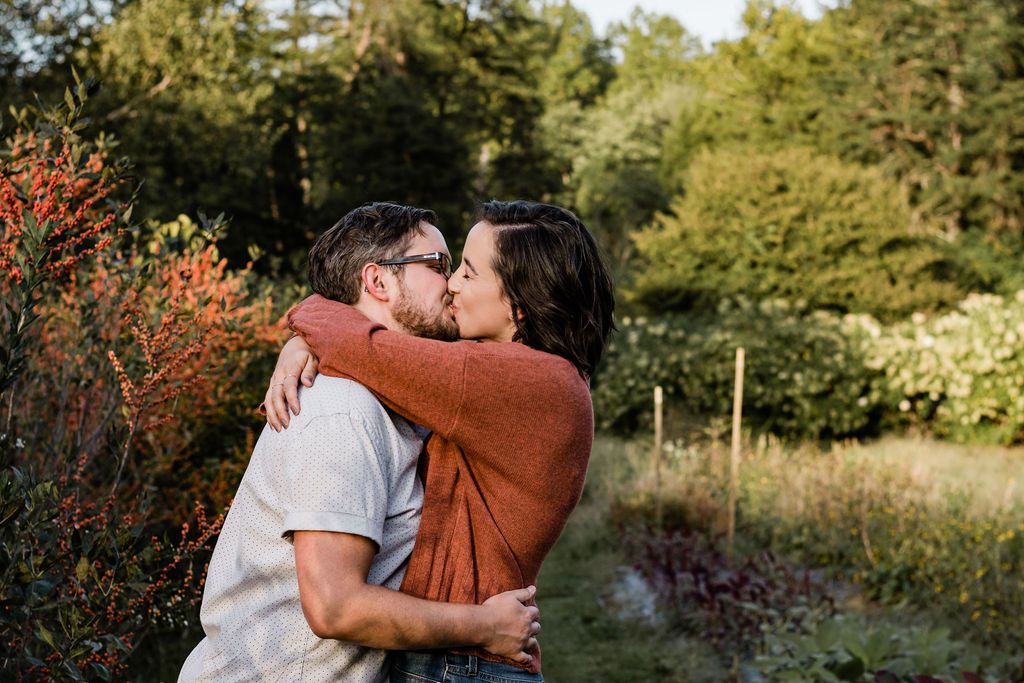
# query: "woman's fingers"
309,372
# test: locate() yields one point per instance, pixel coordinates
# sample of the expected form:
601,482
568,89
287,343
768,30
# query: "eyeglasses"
444,262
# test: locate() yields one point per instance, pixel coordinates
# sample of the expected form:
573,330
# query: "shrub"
813,374
960,374
805,374
845,648
791,224
105,345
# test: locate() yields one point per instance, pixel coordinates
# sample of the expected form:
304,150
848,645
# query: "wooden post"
657,454
734,473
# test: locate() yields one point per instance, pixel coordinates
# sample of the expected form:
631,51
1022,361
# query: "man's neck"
377,312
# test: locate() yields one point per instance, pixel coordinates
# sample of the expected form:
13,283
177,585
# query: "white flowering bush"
804,375
815,374
960,374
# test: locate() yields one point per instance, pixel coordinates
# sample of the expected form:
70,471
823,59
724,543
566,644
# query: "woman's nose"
453,283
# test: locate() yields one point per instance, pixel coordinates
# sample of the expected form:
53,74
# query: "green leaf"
102,672
877,649
30,229
46,636
72,670
854,645
827,635
82,568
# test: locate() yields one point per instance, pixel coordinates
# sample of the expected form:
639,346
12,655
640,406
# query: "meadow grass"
584,638
912,533
992,476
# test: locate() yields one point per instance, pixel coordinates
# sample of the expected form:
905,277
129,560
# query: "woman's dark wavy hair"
552,271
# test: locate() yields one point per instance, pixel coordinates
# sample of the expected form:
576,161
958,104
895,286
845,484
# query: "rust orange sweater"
512,432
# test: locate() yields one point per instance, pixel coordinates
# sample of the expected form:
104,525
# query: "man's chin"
441,331
419,323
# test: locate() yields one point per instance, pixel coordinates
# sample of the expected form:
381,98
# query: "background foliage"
794,225
840,196
112,447
285,115
806,377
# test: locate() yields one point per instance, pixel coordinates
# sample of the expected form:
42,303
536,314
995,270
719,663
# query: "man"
302,583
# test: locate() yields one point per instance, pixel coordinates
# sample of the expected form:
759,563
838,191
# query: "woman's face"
479,307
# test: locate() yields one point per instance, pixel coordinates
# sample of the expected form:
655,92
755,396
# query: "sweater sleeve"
422,379
453,388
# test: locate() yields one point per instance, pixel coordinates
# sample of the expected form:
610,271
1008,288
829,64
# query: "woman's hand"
514,625
296,361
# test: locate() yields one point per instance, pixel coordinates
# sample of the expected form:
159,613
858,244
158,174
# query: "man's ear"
374,282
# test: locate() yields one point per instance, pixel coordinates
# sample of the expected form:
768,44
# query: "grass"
992,476
929,531
583,639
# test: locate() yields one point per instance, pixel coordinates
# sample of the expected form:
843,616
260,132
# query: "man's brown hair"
372,233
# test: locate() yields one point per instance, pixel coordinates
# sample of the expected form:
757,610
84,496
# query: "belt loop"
472,665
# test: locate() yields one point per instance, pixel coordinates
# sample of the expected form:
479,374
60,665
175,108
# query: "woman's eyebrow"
469,265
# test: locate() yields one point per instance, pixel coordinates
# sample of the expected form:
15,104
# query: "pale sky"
711,20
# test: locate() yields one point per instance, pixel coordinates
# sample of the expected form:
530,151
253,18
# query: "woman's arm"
444,386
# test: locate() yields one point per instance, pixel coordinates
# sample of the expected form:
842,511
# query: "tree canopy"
285,115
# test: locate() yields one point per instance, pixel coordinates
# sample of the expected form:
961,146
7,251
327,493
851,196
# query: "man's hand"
514,625
296,361
338,603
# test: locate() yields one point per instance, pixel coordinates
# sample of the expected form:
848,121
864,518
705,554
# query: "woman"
511,416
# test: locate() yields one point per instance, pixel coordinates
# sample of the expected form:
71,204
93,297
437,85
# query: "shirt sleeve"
337,474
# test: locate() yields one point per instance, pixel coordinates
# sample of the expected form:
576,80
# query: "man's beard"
419,323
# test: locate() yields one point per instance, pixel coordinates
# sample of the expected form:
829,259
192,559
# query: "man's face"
421,307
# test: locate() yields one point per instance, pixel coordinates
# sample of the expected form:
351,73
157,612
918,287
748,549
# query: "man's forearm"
380,617
338,603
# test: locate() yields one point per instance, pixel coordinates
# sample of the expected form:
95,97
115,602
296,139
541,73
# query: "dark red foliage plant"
729,603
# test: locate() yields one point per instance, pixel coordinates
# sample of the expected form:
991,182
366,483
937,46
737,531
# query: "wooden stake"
657,454
734,473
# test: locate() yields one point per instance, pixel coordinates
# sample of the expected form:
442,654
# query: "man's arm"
338,603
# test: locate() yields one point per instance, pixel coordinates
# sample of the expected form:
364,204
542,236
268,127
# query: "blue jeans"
444,667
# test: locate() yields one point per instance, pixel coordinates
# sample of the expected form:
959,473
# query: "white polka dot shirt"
344,464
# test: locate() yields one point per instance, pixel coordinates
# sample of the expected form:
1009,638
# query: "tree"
38,39
612,150
935,100
575,65
769,89
796,225
655,49
616,182
181,91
